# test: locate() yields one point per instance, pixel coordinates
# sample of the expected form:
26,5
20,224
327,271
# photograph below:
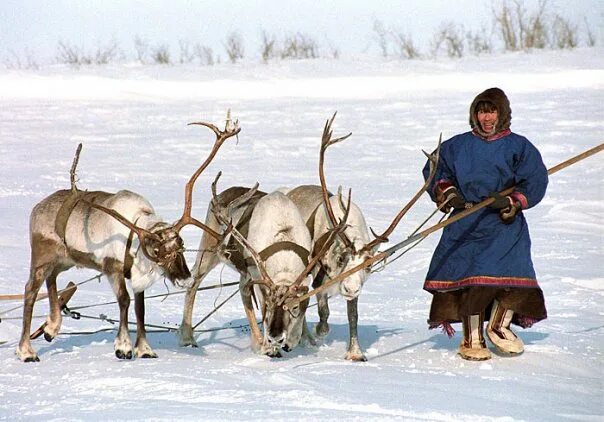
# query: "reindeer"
96,230
320,210
271,224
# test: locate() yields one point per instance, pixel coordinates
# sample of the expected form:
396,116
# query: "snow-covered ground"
132,122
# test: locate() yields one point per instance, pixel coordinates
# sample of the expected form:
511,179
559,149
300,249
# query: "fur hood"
498,98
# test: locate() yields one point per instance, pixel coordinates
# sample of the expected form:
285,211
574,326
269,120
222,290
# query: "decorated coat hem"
487,281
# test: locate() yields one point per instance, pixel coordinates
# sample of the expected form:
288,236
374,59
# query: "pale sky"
37,26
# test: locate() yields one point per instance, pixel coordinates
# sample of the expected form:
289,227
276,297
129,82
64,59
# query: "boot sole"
503,351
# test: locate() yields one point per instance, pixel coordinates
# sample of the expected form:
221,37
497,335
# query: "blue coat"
479,250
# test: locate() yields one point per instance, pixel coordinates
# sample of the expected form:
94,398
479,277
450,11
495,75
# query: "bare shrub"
381,36
234,47
18,61
564,34
334,52
76,56
591,38
450,36
106,54
404,46
520,30
478,43
204,54
186,52
268,47
141,49
299,46
70,54
161,54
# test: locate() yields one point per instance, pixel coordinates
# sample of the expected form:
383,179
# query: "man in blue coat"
482,265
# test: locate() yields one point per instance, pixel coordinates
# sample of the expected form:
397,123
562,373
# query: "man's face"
487,120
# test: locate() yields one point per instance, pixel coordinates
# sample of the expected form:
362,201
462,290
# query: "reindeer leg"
141,347
53,322
255,334
185,332
37,275
354,351
307,337
122,344
322,328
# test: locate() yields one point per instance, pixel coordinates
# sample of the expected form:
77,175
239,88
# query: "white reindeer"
96,230
321,210
269,248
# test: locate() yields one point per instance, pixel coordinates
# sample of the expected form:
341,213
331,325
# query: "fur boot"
499,332
473,346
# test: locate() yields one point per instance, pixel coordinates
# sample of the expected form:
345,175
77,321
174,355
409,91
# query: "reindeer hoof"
34,358
123,355
322,329
191,343
48,337
148,355
355,357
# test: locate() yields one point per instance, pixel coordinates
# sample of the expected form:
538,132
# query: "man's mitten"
507,206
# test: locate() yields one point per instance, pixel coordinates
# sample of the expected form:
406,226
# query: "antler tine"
382,238
326,141
238,202
74,165
221,137
337,230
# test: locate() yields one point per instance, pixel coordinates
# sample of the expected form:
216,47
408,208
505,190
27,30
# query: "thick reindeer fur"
277,219
264,221
309,200
210,255
92,239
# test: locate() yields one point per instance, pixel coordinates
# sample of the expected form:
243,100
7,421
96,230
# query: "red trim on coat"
480,281
492,137
442,184
519,197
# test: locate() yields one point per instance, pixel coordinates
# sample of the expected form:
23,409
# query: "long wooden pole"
390,251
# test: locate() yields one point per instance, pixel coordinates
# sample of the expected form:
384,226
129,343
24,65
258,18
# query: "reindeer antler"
382,238
140,232
223,211
336,231
231,129
326,142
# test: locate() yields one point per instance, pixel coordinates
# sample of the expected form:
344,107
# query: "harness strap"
62,218
65,212
280,246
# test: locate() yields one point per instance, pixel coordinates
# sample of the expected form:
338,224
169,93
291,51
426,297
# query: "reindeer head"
167,248
353,246
283,329
162,244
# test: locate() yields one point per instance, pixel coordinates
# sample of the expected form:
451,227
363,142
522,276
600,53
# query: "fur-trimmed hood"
498,98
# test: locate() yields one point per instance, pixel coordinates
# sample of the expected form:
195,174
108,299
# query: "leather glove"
451,196
507,206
